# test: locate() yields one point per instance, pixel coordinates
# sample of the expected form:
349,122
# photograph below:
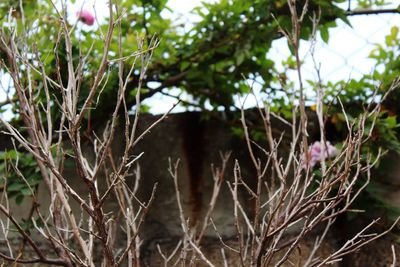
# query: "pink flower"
86,17
315,155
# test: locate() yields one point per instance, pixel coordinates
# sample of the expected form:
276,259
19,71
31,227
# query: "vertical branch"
295,42
218,176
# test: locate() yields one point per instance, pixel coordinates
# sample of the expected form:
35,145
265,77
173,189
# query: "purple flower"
315,155
86,17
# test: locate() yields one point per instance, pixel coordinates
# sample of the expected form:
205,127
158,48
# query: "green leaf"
26,191
391,121
184,65
144,108
15,187
19,199
324,32
240,58
238,131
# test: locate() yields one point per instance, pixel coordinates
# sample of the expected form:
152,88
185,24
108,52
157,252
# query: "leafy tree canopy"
209,61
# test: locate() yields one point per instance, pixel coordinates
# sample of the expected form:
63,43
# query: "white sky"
344,56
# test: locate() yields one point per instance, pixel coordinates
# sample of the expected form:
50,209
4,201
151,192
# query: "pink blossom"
315,155
86,17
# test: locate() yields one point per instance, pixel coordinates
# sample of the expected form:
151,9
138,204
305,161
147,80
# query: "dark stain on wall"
193,147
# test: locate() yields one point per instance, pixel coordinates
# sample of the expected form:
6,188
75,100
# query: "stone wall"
197,143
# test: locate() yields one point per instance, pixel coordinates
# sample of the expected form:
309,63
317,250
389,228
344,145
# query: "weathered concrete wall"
197,144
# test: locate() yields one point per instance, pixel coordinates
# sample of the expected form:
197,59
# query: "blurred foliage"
208,61
20,174
356,95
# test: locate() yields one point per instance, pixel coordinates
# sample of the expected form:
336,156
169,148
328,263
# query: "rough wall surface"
197,143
